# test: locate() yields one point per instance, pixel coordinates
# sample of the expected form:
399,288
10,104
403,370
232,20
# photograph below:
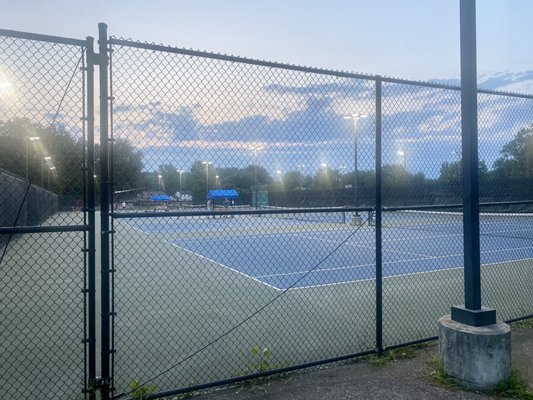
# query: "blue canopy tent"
223,194
161,197
225,197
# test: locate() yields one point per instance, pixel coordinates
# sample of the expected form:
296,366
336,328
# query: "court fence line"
175,123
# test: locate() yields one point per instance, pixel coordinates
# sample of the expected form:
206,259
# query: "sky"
409,39
220,111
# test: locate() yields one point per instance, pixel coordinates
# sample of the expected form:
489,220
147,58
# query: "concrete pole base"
477,358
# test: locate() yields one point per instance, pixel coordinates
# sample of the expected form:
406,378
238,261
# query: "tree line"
52,157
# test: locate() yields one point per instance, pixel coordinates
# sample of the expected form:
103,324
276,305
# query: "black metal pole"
355,122
379,265
471,313
104,212
91,216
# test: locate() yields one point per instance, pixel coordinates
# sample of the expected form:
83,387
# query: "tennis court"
304,252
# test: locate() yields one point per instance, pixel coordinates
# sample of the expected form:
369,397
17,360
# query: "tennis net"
513,225
326,216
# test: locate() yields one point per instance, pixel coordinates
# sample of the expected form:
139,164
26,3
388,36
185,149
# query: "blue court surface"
302,259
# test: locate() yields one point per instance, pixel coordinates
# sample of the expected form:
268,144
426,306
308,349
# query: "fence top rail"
241,60
320,71
42,38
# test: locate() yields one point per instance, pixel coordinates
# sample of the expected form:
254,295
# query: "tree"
450,173
517,157
293,180
127,165
24,146
197,180
169,179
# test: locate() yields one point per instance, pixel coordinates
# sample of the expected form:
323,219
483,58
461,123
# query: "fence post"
91,218
379,271
104,214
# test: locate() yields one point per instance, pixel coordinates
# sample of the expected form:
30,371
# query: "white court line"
223,266
399,262
215,262
400,275
373,247
424,257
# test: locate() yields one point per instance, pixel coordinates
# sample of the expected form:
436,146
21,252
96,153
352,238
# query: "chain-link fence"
251,224
255,216
42,225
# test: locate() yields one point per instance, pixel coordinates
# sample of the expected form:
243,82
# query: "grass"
523,324
515,387
438,374
393,355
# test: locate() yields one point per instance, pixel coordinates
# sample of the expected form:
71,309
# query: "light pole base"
481,317
477,358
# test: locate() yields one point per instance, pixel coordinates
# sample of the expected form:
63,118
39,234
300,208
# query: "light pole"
159,181
206,163
342,168
180,171
301,169
255,149
29,139
49,172
45,160
355,117
458,154
216,181
402,154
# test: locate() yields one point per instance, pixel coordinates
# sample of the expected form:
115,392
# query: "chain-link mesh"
422,254
221,248
237,138
244,205
506,176
42,274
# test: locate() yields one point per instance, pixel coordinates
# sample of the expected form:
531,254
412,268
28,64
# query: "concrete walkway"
407,377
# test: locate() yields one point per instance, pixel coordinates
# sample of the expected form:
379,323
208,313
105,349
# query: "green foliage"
21,155
127,165
388,356
261,359
524,324
438,374
140,392
517,156
515,387
64,154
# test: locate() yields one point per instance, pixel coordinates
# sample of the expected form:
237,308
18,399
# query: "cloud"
311,128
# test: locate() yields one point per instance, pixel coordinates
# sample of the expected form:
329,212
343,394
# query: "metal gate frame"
88,209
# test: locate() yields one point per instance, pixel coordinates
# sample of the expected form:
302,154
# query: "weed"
523,324
515,387
393,355
259,360
439,375
140,392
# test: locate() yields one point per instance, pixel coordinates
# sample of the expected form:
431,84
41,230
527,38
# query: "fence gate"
47,248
